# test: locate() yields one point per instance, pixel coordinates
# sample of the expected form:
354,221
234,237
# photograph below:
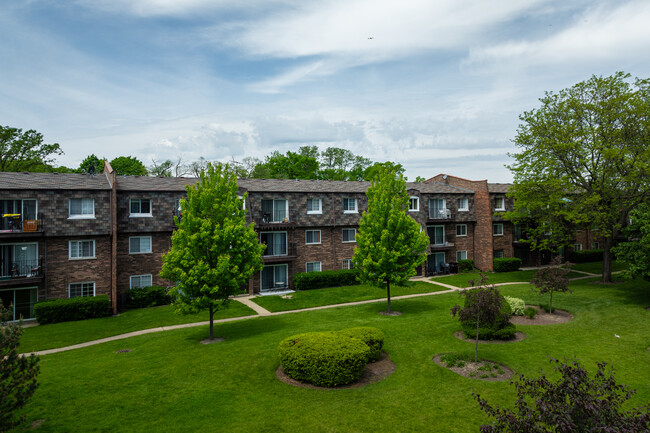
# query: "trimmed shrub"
323,358
585,256
499,329
517,305
319,280
530,312
143,297
465,265
507,264
64,310
372,337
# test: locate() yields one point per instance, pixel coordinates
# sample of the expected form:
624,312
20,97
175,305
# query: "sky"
435,85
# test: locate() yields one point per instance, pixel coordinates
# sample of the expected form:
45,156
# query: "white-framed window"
577,247
497,229
463,205
595,245
461,255
349,235
314,206
139,244
312,236
83,249
461,229
499,203
414,204
80,208
140,281
77,290
139,207
350,205
276,243
243,201
346,264
312,267
498,254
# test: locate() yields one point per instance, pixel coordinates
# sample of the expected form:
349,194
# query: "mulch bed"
518,337
543,318
374,372
471,370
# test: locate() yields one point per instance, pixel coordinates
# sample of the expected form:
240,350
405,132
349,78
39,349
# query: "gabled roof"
53,181
153,184
499,187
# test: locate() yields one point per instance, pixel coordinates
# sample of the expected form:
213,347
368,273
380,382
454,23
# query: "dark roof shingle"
53,181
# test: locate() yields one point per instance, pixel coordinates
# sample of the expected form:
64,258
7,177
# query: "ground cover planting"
169,382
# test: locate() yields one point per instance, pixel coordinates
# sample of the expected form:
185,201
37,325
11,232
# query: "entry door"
435,262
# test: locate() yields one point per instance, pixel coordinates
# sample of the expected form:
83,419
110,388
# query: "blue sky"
435,85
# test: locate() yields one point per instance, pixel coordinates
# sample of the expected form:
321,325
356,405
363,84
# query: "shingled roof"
148,183
340,186
53,181
498,187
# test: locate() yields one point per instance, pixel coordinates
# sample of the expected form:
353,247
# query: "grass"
171,383
339,295
68,333
462,280
597,267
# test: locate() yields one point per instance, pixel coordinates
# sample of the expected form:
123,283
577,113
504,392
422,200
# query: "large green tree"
214,251
128,165
25,150
584,161
635,252
93,162
390,244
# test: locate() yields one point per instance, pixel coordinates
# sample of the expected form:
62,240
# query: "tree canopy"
635,252
390,244
214,251
25,151
584,162
92,161
128,165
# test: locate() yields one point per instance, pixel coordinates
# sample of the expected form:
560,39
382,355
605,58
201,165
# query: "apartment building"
67,235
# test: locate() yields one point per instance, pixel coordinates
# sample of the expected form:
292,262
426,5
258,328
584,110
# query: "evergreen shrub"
143,297
585,256
65,310
465,265
319,280
507,264
372,337
498,329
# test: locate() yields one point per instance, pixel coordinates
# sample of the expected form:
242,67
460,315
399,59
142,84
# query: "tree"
635,252
161,169
21,150
17,373
390,244
129,166
375,169
574,403
300,165
554,278
584,161
93,161
214,251
341,164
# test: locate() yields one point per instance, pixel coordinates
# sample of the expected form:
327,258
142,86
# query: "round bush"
373,338
323,358
517,305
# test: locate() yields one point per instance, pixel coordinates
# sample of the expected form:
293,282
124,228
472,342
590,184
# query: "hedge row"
507,264
319,280
585,256
64,310
466,265
143,297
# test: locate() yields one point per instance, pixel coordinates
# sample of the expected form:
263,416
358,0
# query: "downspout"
112,181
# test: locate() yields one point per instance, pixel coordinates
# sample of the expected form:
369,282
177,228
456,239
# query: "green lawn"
339,295
597,267
68,333
462,280
169,382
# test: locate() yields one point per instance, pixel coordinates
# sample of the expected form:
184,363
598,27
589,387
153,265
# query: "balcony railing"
439,214
11,223
20,268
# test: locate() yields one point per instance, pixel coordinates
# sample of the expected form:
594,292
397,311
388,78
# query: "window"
438,209
81,208
77,290
243,201
140,207
498,254
414,204
497,229
312,237
274,277
577,247
461,229
139,244
140,281
81,249
463,205
436,234
499,203
276,243
314,206
595,245
346,264
312,267
275,211
350,205
349,235
461,255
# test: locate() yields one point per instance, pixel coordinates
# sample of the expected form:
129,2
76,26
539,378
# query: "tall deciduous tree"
635,252
17,373
390,244
128,165
92,162
584,161
20,150
214,251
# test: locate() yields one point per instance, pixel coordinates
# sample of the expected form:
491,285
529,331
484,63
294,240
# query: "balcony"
279,252
439,214
13,225
21,271
274,220
442,246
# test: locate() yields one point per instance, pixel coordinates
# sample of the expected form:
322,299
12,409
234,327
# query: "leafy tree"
551,279
214,251
161,169
24,150
574,403
419,179
341,164
482,305
92,161
584,160
300,165
390,244
375,169
17,373
129,166
635,252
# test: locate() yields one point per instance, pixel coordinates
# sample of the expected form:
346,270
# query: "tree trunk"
476,344
607,259
388,291
211,323
550,304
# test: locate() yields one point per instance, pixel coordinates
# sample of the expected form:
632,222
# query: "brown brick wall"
504,242
162,210
140,263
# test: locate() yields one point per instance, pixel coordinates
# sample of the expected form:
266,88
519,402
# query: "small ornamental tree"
214,251
574,403
390,244
17,373
554,278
